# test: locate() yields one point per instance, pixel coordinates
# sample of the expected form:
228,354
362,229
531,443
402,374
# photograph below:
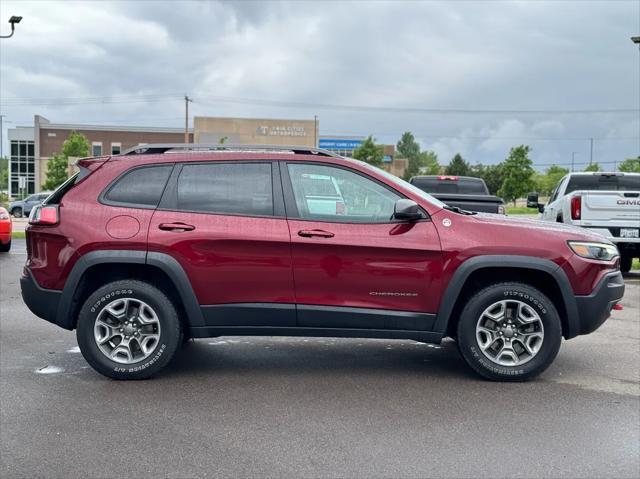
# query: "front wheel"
509,332
128,330
17,212
5,247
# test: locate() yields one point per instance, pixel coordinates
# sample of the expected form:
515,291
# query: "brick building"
31,147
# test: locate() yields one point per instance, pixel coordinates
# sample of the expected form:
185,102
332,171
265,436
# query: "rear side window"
603,182
140,186
224,188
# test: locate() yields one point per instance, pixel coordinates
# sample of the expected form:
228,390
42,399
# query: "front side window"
226,188
326,193
140,186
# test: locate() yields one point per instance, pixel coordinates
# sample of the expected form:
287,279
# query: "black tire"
16,212
170,329
625,263
4,248
470,348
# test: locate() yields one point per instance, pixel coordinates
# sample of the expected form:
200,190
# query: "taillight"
576,207
4,216
44,215
448,177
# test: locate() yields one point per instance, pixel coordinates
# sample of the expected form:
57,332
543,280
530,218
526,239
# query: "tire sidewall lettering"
110,297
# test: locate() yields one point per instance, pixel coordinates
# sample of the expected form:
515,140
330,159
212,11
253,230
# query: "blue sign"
339,144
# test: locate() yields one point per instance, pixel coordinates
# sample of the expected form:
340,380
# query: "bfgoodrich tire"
509,332
128,330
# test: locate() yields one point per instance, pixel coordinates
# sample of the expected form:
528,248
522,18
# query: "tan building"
255,131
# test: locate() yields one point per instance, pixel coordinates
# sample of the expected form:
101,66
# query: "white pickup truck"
606,203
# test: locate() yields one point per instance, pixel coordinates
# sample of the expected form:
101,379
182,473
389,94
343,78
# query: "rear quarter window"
141,187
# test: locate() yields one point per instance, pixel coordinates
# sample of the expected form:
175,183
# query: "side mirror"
532,200
406,210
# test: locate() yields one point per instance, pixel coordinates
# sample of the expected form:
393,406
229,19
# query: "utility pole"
315,131
591,151
186,118
573,158
1,135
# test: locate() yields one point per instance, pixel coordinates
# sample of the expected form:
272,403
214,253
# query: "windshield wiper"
460,211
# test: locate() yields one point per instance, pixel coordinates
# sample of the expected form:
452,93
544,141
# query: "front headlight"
599,251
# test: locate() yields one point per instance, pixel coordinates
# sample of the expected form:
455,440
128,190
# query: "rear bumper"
41,302
5,238
594,309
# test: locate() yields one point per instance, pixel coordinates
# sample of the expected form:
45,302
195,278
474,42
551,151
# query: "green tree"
492,175
632,165
518,174
408,147
458,167
428,163
77,145
4,174
593,167
545,183
369,152
57,172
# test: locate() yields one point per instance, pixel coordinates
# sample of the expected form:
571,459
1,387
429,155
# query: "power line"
203,97
448,136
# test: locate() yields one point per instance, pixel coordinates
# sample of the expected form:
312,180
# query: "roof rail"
161,148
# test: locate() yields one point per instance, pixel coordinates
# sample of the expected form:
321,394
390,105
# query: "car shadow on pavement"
292,356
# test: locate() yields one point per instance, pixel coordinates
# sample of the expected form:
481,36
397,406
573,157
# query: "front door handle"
315,233
178,227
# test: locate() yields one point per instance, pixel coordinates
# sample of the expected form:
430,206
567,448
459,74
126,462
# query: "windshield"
401,183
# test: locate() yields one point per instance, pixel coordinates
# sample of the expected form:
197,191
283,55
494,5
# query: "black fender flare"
471,265
165,262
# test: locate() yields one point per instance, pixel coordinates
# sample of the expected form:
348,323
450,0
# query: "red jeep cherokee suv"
165,242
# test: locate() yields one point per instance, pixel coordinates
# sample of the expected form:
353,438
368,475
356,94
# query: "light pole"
13,20
573,159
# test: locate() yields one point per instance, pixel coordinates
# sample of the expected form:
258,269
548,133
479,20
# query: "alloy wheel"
510,333
127,330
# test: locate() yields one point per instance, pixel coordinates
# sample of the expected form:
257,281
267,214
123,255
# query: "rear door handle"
315,233
178,227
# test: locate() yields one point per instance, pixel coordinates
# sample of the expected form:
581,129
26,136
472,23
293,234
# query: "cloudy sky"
475,77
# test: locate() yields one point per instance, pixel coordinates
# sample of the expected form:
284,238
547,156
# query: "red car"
5,230
143,249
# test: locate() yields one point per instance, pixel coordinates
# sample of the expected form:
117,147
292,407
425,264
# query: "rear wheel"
16,212
625,263
4,247
509,332
128,330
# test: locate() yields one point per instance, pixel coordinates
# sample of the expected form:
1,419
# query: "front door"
354,265
224,223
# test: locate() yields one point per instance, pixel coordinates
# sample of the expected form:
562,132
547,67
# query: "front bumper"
42,302
594,309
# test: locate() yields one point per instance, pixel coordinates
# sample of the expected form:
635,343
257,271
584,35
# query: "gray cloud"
463,55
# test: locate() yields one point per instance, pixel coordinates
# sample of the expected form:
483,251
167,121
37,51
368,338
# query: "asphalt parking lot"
295,407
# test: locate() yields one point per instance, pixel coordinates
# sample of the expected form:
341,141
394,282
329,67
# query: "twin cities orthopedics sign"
281,130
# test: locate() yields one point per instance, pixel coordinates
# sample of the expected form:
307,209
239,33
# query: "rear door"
354,265
224,223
